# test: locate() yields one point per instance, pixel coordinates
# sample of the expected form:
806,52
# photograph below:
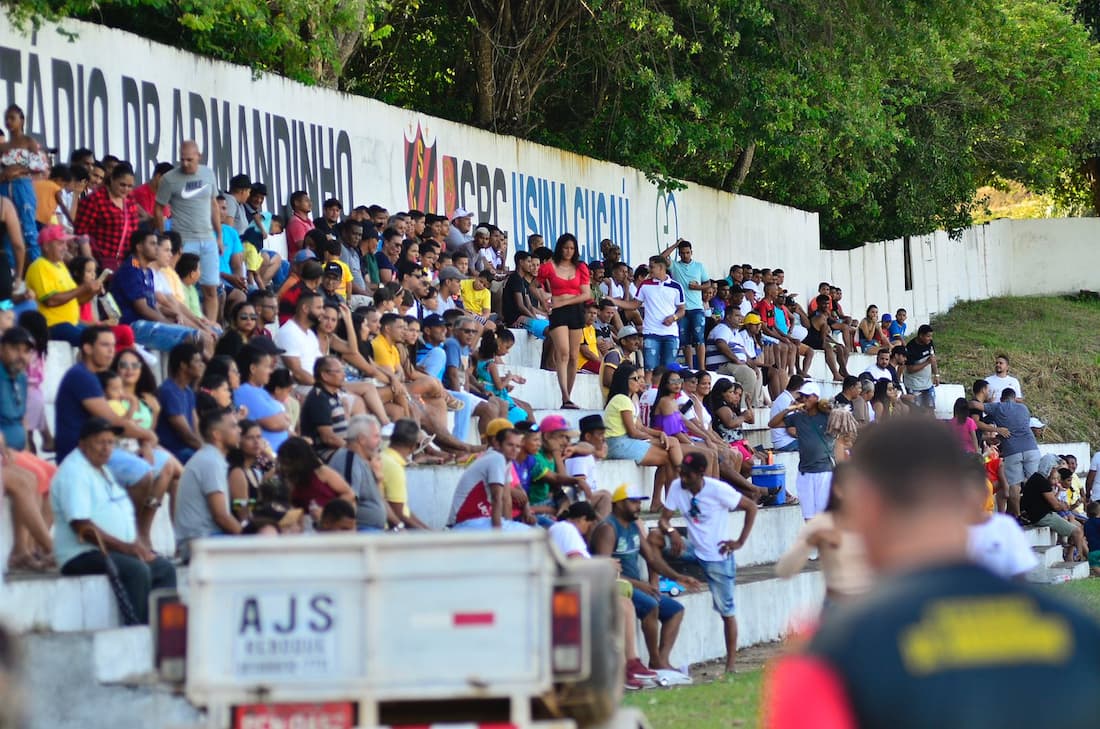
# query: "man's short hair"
255,297
210,419
899,349
240,182
337,510
520,257
658,260
90,335
138,237
1002,355
1008,394
387,319
912,461
795,382
405,433
305,300
320,363
849,381
180,355
187,265
332,203
297,196
359,425
924,329
311,271
390,233
978,386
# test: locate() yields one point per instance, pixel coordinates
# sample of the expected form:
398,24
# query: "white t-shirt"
780,437
745,306
714,501
565,537
880,373
1094,465
611,290
583,466
1000,546
298,343
998,384
661,299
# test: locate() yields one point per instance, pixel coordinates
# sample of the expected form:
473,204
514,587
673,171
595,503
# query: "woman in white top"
840,550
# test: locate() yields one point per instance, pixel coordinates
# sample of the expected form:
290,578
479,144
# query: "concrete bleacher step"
1059,572
109,670
1038,536
1048,555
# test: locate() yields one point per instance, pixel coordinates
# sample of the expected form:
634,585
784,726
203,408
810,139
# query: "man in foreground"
939,642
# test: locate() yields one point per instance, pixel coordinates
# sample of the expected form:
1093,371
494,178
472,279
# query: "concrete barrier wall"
92,93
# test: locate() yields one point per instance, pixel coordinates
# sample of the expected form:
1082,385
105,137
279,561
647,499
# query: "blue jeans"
160,336
693,328
658,350
927,398
65,332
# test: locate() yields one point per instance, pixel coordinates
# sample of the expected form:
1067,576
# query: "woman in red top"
567,280
311,482
108,217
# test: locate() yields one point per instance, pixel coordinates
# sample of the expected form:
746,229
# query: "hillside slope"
1054,347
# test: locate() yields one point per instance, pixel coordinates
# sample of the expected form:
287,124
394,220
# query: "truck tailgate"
416,616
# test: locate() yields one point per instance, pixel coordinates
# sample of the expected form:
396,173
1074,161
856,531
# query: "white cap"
809,388
461,213
1036,423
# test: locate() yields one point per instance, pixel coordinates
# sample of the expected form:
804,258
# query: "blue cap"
304,255
675,367
886,318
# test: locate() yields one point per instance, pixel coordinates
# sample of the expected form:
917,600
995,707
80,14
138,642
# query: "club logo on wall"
421,161
666,220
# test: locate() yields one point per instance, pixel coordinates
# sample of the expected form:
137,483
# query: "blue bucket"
769,477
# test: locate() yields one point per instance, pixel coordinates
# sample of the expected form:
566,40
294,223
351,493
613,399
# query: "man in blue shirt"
456,349
691,275
176,424
90,508
133,290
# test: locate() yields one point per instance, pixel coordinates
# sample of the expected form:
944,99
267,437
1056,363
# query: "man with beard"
622,537
299,340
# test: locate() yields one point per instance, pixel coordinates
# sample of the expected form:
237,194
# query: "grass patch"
1085,593
727,702
1054,349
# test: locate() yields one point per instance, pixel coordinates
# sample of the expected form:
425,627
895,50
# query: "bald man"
191,190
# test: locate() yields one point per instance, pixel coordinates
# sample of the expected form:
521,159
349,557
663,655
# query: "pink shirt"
296,229
965,433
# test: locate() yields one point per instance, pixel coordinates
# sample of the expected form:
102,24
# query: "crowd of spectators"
296,393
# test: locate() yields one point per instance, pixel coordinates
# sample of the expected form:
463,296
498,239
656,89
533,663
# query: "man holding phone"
809,416
58,296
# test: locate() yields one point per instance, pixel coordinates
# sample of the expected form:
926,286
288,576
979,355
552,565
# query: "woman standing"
567,280
108,217
629,439
20,158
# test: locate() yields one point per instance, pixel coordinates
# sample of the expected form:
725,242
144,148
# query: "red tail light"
169,635
568,632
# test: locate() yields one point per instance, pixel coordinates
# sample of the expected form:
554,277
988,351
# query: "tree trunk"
740,170
486,83
1091,168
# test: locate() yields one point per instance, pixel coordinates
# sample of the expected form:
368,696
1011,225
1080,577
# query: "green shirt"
191,298
539,493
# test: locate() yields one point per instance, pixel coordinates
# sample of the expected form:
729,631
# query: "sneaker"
636,669
632,684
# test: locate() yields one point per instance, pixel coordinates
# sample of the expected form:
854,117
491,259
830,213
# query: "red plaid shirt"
108,226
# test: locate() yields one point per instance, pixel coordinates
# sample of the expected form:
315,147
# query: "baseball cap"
450,273
52,233
461,213
627,492
496,425
886,318
304,255
590,423
332,268
433,320
95,426
675,367
266,345
627,331
1036,423
555,424
17,335
809,388
752,318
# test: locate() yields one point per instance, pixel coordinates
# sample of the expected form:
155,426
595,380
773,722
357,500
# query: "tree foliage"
884,117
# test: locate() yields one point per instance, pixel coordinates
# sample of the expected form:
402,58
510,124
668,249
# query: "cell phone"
104,274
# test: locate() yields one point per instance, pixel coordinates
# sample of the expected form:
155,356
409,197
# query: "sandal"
568,405
423,445
454,404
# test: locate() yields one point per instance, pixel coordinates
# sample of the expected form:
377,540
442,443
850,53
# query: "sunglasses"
129,366
674,381
468,331
247,316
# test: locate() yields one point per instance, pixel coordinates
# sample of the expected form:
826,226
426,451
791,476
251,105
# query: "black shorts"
571,316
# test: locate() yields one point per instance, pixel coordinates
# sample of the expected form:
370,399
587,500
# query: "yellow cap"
496,425
625,492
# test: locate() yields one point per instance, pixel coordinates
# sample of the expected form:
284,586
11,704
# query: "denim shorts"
721,576
644,604
658,350
128,468
161,337
209,260
625,448
693,328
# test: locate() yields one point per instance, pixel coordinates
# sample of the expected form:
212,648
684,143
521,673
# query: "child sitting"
476,297
582,464
122,404
494,346
548,475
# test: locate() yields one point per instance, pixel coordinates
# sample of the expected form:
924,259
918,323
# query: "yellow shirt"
588,337
385,353
393,479
46,279
45,193
347,278
613,415
174,283
252,258
473,301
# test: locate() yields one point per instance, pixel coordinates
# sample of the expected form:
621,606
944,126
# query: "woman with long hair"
870,332
729,417
140,385
666,417
358,369
842,556
20,160
242,324
843,428
250,464
966,430
629,439
887,400
109,217
312,484
566,278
